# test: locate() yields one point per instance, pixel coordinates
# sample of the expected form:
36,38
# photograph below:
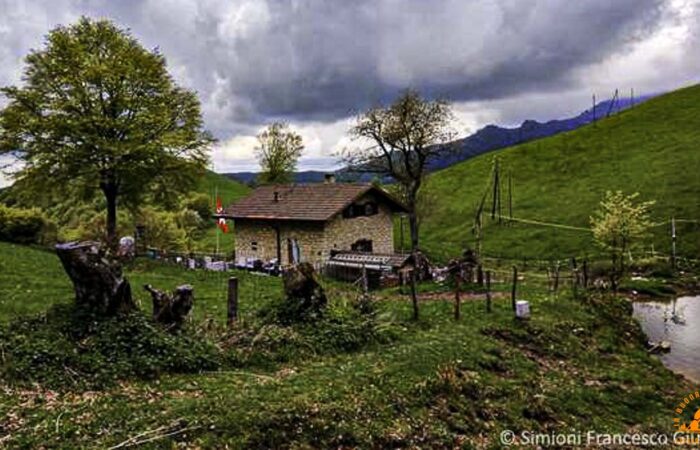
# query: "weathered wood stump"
98,281
171,310
304,293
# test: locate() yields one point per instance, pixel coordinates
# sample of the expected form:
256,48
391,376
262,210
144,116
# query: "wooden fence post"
515,284
479,275
585,274
232,310
673,243
458,279
556,278
414,295
488,291
365,282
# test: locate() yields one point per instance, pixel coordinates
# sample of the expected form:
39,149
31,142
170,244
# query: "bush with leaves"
620,224
161,229
68,347
25,226
201,204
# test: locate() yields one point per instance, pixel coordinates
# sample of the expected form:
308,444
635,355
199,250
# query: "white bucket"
522,309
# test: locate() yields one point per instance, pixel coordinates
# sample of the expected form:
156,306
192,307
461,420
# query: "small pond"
677,322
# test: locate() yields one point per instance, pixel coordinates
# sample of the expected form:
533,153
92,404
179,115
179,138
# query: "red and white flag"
220,210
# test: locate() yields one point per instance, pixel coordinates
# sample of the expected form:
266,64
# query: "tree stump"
98,282
304,294
171,310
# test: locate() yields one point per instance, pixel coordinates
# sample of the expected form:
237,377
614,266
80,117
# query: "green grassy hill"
653,149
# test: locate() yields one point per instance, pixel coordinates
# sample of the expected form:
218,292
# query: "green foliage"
278,151
25,226
162,230
339,329
200,203
97,111
192,226
619,226
69,348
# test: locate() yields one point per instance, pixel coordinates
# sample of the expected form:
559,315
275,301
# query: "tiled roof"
319,201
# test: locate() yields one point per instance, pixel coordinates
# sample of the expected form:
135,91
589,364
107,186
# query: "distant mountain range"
489,138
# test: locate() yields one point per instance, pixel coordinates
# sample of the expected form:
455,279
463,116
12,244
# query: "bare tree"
402,139
278,151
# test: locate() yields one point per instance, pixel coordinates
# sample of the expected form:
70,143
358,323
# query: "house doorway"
293,251
362,245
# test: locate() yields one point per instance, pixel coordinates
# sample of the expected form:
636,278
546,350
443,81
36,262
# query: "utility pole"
631,97
593,107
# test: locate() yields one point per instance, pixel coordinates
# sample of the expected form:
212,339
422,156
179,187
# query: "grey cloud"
307,60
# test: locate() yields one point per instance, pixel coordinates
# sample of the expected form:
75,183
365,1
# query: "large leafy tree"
97,112
278,151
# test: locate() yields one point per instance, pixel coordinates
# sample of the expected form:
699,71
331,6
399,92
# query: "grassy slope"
32,279
651,149
440,378
229,190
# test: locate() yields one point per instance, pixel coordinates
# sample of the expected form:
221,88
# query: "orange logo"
684,421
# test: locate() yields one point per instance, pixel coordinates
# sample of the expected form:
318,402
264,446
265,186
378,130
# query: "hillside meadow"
651,149
577,364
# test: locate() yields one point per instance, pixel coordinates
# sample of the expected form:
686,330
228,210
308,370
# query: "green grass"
576,365
33,279
651,149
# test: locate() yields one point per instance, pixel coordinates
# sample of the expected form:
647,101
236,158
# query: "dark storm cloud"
320,60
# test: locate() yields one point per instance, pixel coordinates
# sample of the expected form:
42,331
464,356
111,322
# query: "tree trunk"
171,310
413,216
414,295
110,190
457,299
98,282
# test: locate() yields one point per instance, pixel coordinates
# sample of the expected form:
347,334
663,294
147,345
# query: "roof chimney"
276,196
329,178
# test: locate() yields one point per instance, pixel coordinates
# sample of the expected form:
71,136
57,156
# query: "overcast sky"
317,63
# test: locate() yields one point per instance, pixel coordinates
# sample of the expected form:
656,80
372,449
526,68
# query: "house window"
254,246
359,210
370,209
362,245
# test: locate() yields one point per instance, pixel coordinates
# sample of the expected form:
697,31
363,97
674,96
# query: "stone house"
310,222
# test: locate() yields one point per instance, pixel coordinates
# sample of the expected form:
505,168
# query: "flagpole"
218,230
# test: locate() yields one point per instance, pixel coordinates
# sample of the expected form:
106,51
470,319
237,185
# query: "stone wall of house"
257,239
341,232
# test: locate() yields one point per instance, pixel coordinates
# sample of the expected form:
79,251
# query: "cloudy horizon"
316,64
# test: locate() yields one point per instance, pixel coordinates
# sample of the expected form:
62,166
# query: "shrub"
70,348
201,204
161,229
25,226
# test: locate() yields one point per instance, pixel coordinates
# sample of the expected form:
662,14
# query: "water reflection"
677,322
